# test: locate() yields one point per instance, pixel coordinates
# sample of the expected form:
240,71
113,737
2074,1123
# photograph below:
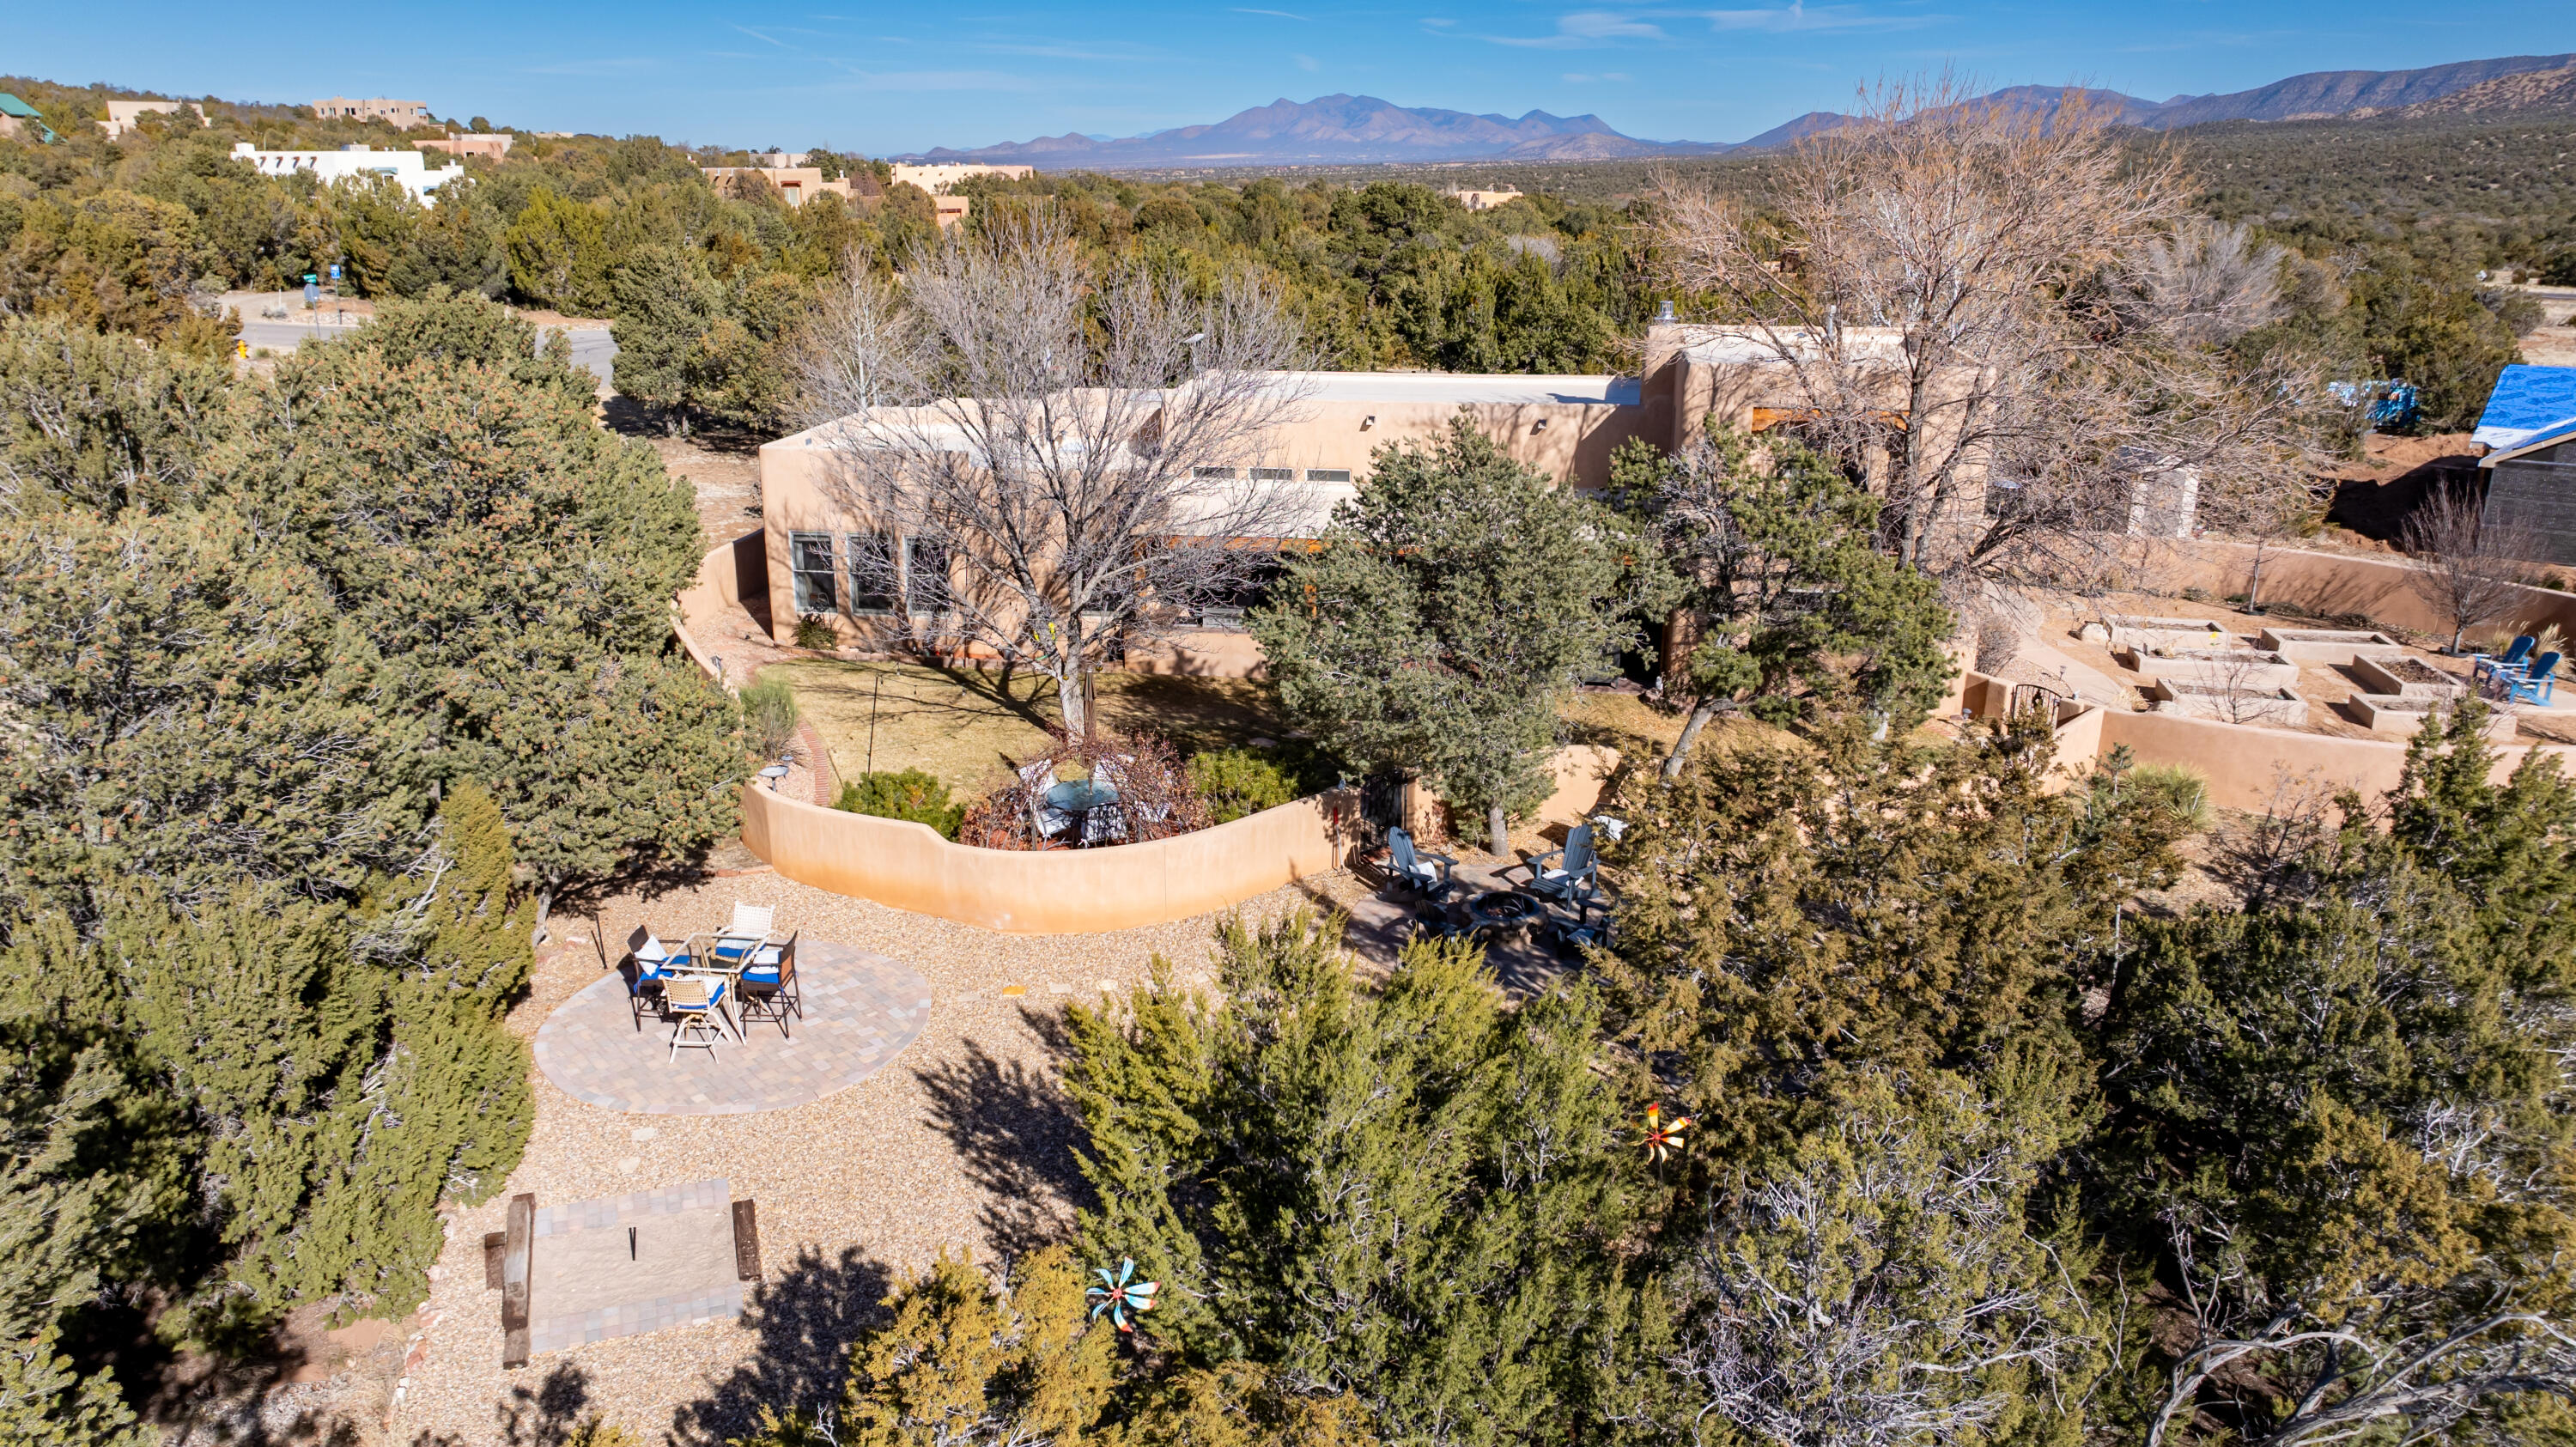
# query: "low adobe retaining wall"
1057,891
2327,584
2243,763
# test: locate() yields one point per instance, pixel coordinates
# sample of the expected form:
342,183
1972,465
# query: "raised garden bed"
2243,667
2269,707
2139,633
2328,645
2384,713
2408,678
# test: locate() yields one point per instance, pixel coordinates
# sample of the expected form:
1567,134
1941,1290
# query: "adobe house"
1564,427
2529,431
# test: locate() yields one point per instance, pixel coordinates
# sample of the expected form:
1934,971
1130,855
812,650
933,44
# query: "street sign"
335,273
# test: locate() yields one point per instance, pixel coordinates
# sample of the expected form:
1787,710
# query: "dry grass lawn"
970,728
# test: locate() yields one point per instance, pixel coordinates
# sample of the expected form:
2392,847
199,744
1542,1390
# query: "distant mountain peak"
1340,130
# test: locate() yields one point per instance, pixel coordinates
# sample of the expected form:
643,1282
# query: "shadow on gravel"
1017,1134
806,1319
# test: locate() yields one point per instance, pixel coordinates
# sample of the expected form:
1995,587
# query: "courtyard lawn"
969,728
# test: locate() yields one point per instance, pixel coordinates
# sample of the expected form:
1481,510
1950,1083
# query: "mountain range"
1361,130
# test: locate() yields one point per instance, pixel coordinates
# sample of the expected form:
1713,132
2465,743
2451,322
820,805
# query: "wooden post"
518,1244
746,1241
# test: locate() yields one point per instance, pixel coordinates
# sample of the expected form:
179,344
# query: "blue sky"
888,78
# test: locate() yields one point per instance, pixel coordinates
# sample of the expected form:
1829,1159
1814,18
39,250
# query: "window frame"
806,578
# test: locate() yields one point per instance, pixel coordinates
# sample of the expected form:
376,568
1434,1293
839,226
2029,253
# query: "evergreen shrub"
769,711
1240,782
908,794
816,633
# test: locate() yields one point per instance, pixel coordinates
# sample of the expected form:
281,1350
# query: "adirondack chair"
1415,870
2482,664
1575,869
2536,684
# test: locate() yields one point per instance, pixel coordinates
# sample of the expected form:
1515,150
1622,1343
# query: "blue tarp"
2529,404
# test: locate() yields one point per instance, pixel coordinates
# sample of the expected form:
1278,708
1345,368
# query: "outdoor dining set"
711,984
1561,898
2514,676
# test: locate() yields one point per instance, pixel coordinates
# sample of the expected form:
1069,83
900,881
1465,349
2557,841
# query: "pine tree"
1410,1195
44,1403
101,423
1454,604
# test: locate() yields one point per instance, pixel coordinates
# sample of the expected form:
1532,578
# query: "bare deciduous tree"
2469,567
1079,474
1976,233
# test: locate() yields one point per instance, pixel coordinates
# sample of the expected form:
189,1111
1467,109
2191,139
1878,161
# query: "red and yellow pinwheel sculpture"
1119,1295
1663,1137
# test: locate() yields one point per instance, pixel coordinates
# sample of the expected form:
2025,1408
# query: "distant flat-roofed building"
2529,431
403,113
796,184
1486,200
491,147
937,179
122,114
409,168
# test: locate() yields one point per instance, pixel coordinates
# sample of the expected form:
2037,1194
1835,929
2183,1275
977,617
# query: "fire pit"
1502,912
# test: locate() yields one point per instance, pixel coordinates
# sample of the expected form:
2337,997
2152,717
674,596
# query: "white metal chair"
691,1000
1575,868
1415,870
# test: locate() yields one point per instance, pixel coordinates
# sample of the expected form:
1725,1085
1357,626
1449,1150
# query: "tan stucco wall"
1064,891
1579,772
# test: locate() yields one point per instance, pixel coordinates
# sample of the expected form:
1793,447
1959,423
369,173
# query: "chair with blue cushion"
647,969
748,932
2510,661
769,989
2535,684
1415,869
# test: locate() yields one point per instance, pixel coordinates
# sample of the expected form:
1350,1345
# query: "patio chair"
1048,820
750,922
2482,664
646,969
769,988
1414,870
1576,866
2536,684
691,1000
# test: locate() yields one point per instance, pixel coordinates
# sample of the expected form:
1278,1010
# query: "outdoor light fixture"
1539,426
1368,422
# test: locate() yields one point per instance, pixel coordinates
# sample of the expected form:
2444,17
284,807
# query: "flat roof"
1470,387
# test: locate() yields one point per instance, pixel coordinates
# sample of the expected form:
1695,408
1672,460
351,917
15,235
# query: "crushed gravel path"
962,1141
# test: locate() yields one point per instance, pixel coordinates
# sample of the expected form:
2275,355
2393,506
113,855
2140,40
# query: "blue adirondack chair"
2482,664
2535,684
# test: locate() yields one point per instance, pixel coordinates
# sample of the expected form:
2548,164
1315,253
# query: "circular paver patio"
861,1010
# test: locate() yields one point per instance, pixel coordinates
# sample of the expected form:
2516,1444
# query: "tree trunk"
1068,697
1499,832
1701,713
2254,583
545,902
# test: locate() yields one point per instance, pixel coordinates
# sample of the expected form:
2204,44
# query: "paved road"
592,349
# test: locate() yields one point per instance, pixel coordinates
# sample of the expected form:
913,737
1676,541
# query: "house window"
1224,610
1274,474
1212,473
1328,474
810,555
925,574
872,573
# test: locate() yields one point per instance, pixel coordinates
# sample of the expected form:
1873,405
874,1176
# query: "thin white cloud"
1613,76
945,80
1281,14
1584,30
1071,50
756,35
1798,15
1439,22
1306,62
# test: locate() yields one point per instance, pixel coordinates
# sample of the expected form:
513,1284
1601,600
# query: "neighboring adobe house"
401,114
795,183
122,114
937,179
2529,431
1486,200
491,147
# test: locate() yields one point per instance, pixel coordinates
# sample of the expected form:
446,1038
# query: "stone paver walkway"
861,1010
593,1281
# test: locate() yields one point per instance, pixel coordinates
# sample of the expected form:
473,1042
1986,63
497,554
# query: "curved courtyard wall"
1056,891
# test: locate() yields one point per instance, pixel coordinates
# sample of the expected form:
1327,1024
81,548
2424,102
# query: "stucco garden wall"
2326,583
1061,891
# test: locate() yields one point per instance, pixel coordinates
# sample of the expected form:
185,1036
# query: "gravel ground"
962,1141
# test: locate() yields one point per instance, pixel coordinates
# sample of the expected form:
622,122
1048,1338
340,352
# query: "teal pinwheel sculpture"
1120,1294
